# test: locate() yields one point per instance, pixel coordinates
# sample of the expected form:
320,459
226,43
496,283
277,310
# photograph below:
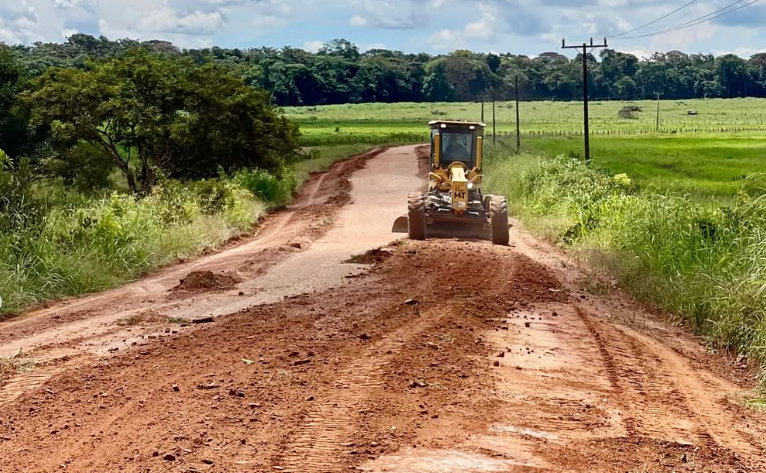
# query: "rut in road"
326,433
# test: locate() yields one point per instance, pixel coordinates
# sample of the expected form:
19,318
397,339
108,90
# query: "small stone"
176,388
527,324
169,457
207,461
496,363
365,336
501,354
310,398
411,302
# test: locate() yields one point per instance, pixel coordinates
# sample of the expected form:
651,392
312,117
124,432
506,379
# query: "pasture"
705,156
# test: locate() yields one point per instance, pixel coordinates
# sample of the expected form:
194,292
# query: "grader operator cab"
454,202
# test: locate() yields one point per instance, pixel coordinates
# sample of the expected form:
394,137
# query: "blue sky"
433,26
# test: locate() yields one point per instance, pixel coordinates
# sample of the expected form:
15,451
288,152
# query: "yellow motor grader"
454,202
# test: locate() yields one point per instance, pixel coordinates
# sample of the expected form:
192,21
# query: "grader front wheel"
416,215
498,220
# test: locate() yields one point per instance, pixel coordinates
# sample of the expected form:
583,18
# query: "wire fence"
406,138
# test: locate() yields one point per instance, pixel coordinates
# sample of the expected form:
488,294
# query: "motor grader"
454,204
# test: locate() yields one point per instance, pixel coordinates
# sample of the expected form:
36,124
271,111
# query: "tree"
436,87
732,75
223,123
341,47
14,133
145,112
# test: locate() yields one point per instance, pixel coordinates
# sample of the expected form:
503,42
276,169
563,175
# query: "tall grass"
101,242
705,264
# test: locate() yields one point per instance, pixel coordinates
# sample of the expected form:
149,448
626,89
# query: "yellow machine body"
456,177
454,205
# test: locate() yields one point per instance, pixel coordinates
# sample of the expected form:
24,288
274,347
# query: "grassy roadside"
705,264
67,244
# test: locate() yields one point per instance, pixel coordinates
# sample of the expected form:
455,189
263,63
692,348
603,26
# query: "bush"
629,112
276,190
82,167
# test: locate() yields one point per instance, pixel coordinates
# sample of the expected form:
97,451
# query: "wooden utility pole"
658,111
518,126
482,109
585,47
494,128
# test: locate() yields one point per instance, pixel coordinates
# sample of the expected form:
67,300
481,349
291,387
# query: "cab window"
456,146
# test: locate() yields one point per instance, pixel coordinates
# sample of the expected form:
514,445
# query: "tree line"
340,73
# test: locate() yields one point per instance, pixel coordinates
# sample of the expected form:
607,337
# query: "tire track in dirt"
617,374
693,395
660,396
318,447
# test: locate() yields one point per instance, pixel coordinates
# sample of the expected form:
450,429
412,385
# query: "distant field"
705,156
707,167
715,115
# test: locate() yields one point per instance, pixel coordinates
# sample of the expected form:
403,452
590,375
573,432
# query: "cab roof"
438,123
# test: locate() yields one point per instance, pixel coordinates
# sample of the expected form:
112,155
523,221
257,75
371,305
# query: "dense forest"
340,73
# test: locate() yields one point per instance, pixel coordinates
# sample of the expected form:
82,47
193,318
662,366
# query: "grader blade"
401,225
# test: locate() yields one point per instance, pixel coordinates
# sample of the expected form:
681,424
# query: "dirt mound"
374,256
197,280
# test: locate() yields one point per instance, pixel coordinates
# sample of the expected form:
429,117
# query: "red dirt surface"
445,356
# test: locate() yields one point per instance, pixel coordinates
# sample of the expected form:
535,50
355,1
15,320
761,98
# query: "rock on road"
438,356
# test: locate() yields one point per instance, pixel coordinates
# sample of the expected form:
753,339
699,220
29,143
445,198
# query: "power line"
703,19
655,21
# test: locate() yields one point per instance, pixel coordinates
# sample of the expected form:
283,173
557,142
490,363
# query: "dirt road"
437,356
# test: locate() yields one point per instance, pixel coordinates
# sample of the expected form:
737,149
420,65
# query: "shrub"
629,112
277,190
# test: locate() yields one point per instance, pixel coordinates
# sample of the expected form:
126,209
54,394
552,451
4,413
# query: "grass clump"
706,264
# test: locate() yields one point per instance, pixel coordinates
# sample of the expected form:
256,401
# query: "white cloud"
518,26
364,47
167,20
313,46
485,28
446,40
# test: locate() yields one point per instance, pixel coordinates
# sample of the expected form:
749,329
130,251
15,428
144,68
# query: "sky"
433,26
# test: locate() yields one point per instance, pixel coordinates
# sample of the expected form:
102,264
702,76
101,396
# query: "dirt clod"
207,280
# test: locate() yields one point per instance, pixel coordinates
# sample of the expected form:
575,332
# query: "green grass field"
707,167
536,117
705,156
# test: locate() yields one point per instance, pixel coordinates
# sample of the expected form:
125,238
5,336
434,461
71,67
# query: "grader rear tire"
416,216
498,220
